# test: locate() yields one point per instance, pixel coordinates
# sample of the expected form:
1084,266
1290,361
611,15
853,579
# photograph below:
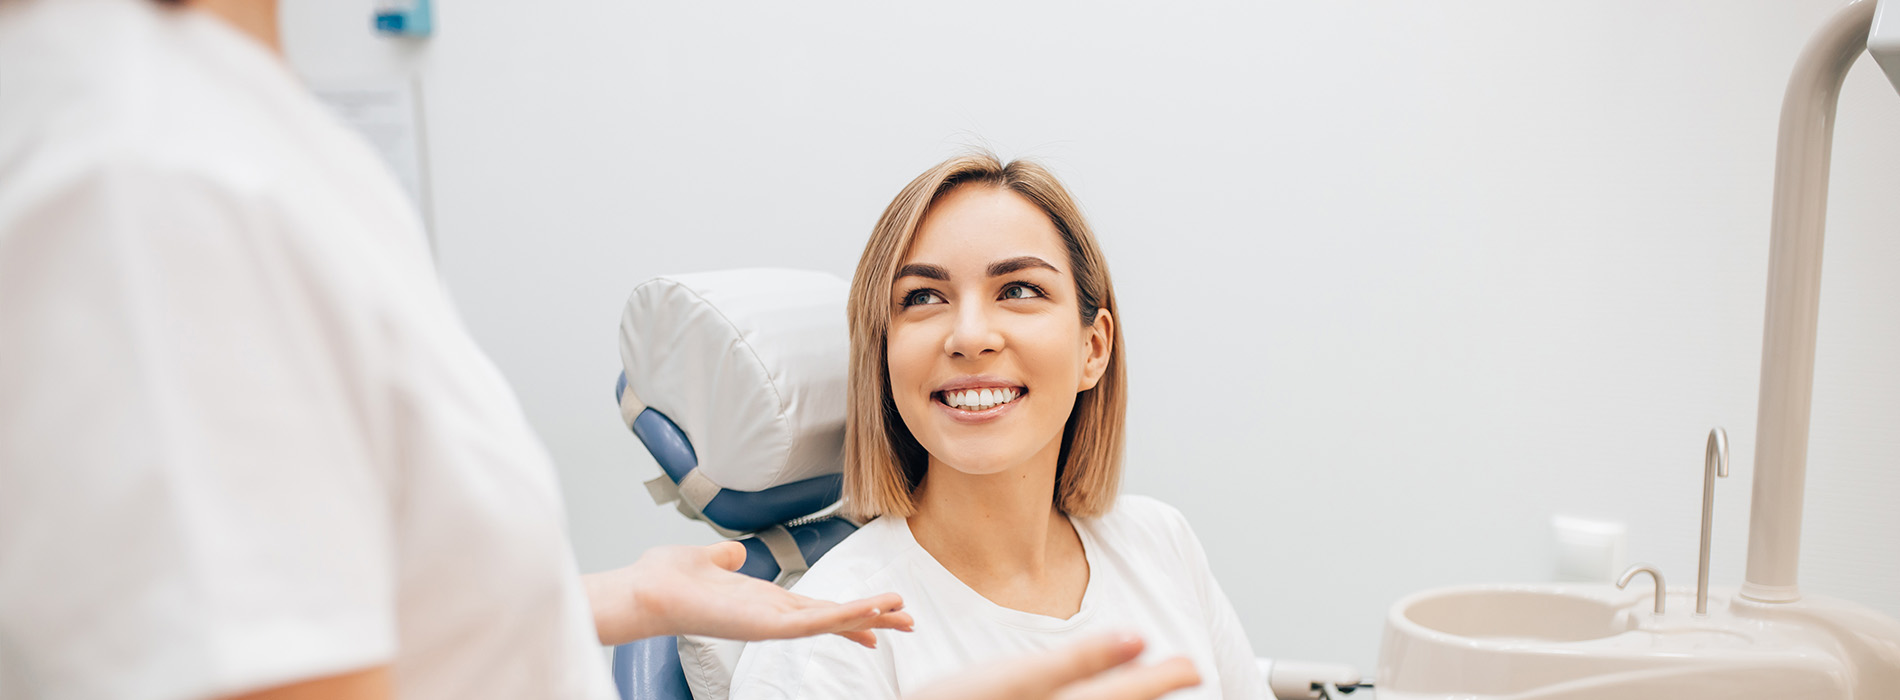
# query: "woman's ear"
1098,345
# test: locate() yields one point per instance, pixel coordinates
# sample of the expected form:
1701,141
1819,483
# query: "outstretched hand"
1093,669
697,590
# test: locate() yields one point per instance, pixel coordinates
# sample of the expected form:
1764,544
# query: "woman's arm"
1234,658
697,590
367,684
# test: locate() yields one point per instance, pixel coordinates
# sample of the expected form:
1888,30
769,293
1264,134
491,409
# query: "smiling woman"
954,218
984,443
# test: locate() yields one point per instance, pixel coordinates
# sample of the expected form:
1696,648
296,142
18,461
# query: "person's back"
244,439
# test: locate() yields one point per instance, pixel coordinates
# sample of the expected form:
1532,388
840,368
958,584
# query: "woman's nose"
974,333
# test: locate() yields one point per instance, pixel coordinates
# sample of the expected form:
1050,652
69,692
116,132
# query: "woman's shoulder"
1146,512
867,562
1143,522
870,558
1146,508
820,667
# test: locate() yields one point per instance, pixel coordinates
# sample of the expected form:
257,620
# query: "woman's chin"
977,457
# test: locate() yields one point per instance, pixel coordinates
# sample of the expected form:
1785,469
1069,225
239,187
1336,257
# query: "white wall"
1400,279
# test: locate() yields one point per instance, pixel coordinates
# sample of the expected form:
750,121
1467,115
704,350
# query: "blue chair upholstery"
649,669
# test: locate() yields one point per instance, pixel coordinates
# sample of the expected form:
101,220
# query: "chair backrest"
734,382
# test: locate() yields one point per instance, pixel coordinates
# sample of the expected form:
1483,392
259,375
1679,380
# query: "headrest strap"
693,492
663,490
697,490
784,549
630,405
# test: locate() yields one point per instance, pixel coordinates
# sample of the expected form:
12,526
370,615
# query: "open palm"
697,590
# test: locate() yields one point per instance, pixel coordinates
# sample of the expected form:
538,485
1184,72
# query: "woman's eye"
1021,291
922,296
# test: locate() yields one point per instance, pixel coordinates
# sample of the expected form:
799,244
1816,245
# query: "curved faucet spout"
1714,464
1641,568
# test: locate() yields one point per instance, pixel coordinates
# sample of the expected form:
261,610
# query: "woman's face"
987,350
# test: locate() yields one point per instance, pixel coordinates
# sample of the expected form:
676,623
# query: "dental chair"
735,382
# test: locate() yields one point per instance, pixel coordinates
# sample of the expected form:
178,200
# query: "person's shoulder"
1142,522
1133,510
817,668
867,562
129,94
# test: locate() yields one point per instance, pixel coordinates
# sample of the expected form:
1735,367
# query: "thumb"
728,555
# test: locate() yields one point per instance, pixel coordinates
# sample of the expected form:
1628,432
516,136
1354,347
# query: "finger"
887,603
1140,682
1048,675
1092,656
728,555
864,638
823,617
900,621
887,618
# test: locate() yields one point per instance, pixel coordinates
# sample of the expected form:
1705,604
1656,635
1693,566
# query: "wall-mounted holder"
405,17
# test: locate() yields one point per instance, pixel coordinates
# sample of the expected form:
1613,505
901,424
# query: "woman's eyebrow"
923,270
1004,267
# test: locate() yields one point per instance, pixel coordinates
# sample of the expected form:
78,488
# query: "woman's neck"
1002,535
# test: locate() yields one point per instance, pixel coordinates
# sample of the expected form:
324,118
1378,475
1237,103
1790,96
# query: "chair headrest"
739,375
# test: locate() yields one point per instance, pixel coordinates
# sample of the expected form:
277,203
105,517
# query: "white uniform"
244,438
1147,573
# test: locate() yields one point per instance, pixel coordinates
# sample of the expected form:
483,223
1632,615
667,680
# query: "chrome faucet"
1714,464
1640,568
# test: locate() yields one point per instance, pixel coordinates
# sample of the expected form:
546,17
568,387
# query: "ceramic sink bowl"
1577,641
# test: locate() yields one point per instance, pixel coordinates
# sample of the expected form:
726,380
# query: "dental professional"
247,447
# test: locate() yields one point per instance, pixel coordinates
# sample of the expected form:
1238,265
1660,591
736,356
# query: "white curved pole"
1794,302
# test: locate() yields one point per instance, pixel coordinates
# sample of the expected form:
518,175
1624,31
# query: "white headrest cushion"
750,364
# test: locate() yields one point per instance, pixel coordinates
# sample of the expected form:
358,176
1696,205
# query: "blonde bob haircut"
883,463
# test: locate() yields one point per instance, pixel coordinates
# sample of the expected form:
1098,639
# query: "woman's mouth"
977,400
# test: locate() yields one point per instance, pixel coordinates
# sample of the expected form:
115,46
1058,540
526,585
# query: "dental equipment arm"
1305,680
1802,150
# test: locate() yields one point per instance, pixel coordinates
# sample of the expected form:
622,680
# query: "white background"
1400,279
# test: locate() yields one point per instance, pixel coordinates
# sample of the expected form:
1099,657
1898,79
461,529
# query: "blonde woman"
987,400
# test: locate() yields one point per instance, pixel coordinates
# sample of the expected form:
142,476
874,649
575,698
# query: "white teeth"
980,399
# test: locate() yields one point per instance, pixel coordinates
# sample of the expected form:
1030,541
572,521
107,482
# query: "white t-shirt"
244,438
1147,573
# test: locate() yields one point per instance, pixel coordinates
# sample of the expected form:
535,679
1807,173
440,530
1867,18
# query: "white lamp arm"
1290,679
